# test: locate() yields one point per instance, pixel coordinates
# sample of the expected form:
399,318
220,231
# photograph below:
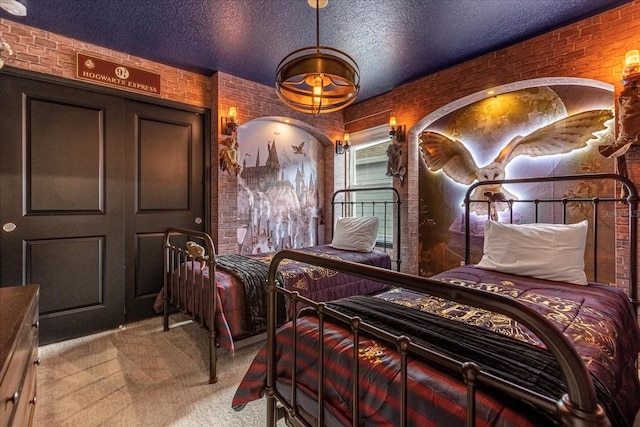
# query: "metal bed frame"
345,203
349,202
578,407
630,199
176,260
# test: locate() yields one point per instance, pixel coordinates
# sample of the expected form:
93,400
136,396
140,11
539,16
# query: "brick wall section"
593,48
48,53
254,101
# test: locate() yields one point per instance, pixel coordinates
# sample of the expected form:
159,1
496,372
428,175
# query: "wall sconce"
631,66
342,146
628,107
628,111
396,132
230,124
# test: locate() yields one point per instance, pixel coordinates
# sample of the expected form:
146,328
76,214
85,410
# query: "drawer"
23,415
11,388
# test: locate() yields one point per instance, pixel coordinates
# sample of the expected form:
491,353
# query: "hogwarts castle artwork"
278,191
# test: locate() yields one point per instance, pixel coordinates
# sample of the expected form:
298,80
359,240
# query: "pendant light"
317,79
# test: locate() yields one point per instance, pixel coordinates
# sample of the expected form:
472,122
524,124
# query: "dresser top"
15,304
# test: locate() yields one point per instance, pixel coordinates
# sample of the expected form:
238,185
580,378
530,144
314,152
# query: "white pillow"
545,251
355,234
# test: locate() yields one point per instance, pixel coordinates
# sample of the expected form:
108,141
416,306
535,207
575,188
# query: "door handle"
9,227
198,220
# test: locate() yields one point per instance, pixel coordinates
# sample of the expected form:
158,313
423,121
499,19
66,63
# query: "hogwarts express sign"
112,74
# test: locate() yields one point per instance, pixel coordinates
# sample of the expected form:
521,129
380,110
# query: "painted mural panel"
279,196
530,131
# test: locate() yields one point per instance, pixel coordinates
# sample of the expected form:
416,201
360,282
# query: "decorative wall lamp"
230,123
631,66
628,110
628,114
317,79
395,168
344,145
396,131
629,101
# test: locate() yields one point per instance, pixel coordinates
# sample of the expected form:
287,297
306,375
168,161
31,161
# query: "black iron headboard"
624,207
383,202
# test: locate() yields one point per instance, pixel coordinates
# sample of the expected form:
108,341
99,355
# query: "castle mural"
278,193
539,130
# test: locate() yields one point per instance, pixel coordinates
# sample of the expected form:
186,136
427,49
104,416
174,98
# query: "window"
368,158
368,168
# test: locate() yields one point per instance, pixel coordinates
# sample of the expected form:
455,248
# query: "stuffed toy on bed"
197,252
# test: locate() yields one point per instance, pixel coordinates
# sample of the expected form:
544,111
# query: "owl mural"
456,161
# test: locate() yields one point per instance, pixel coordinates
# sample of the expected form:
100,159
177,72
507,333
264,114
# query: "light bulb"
392,123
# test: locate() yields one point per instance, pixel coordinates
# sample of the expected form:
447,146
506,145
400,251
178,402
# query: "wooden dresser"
18,354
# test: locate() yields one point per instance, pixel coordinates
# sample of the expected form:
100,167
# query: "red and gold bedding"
313,282
597,319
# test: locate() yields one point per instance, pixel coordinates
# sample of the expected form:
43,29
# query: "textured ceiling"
392,41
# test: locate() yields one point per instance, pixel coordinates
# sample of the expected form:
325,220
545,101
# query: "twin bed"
522,338
226,293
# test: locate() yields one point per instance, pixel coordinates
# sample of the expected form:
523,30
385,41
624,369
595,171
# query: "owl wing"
562,136
441,152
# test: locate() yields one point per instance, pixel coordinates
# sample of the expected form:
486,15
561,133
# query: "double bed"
502,342
365,231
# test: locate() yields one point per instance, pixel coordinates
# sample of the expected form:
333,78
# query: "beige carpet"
142,376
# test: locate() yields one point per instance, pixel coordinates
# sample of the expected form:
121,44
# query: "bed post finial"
570,415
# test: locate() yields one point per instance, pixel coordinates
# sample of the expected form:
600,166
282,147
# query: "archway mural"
532,128
279,187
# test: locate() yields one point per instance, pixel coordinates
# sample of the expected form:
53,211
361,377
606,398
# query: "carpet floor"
139,375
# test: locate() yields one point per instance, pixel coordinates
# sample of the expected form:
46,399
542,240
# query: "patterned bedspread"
323,284
597,319
316,283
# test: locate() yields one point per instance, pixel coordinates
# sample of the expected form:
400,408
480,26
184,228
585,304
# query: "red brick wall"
48,53
593,48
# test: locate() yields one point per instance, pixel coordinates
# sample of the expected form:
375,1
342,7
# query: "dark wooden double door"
88,183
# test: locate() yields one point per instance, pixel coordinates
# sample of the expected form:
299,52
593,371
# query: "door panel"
165,178
62,169
56,261
65,158
163,181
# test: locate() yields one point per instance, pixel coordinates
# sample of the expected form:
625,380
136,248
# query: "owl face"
493,171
